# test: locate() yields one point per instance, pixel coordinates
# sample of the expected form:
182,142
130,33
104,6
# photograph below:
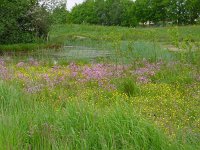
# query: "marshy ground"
103,88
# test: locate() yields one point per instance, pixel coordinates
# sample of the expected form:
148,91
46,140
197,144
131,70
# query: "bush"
22,22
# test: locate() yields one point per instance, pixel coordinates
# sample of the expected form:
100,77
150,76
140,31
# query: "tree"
84,13
60,15
109,12
143,10
193,9
129,14
177,11
101,12
52,4
114,12
22,21
159,10
184,11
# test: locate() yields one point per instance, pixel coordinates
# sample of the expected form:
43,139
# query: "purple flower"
143,79
4,73
74,69
74,74
21,76
46,77
149,70
2,63
21,64
33,62
34,89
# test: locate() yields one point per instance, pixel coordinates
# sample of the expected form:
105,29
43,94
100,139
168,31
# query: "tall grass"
33,122
28,123
107,33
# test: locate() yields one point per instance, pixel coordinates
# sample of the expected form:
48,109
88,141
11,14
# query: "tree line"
131,13
24,21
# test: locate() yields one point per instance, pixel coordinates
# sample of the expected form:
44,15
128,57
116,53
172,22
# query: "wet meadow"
94,87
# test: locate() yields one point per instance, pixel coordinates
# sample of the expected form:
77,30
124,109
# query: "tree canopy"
131,13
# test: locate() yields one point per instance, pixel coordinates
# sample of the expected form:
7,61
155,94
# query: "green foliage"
129,87
22,22
27,21
60,15
184,11
143,11
131,13
110,12
84,13
175,73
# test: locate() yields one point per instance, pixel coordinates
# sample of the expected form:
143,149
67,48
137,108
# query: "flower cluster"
36,77
169,106
145,73
101,73
97,71
4,73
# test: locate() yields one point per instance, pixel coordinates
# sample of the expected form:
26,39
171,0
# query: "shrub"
22,22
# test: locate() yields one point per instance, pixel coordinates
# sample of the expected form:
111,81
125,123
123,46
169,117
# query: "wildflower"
147,71
143,79
21,64
2,63
33,62
4,73
34,89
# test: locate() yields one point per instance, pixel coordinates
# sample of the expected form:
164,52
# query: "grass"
28,123
141,95
13,48
93,36
62,32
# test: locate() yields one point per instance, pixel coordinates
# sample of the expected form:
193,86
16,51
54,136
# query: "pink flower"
143,79
2,63
21,64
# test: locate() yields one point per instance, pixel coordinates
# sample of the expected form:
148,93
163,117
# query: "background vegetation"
131,13
29,21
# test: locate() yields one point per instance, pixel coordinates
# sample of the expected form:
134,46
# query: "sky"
72,3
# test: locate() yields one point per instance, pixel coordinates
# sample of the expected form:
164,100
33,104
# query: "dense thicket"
131,13
22,21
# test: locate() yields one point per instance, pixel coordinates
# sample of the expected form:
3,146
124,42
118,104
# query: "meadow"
94,87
